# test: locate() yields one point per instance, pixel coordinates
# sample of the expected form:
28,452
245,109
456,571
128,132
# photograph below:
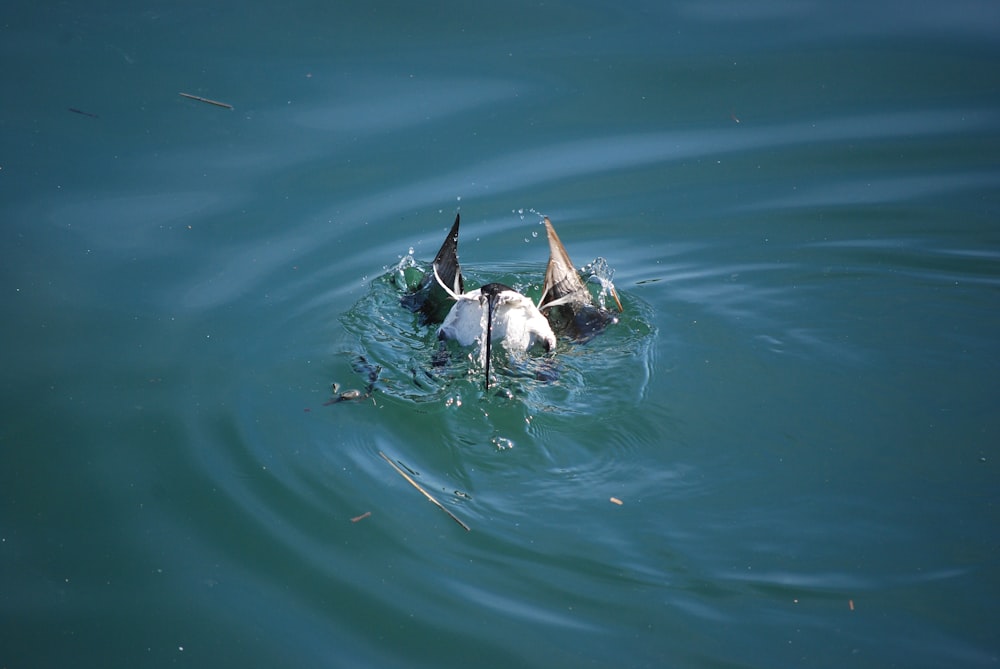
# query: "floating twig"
614,294
206,100
361,517
83,113
426,494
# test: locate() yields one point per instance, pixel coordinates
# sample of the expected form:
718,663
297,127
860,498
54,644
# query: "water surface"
796,411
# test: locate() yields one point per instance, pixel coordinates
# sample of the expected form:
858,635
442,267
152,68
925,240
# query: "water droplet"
502,443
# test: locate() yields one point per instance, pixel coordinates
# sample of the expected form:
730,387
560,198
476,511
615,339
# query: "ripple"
388,105
612,370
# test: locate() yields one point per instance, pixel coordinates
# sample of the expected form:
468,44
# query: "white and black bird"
497,313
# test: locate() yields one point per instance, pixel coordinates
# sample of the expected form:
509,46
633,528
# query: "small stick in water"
614,294
426,494
201,99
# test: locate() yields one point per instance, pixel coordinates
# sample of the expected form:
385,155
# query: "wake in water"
424,337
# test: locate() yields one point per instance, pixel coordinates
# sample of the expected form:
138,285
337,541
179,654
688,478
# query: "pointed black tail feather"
429,299
446,260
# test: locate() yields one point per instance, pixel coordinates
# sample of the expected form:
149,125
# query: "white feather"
517,322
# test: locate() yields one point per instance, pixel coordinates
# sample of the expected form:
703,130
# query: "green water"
797,409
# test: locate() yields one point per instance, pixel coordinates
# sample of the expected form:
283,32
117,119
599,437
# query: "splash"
599,272
407,272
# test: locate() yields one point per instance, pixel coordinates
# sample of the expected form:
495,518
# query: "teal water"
797,409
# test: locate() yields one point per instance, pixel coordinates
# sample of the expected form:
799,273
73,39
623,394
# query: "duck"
496,312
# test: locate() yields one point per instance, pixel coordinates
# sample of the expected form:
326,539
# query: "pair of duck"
496,312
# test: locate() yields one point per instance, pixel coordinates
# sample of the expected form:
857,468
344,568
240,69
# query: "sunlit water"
796,409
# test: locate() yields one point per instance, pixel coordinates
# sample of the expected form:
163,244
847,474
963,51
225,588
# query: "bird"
495,312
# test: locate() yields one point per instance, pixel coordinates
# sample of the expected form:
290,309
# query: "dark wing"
429,299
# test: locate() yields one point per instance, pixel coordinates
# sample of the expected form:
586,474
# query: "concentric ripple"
413,366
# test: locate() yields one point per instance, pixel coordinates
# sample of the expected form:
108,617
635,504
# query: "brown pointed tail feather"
562,282
565,300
